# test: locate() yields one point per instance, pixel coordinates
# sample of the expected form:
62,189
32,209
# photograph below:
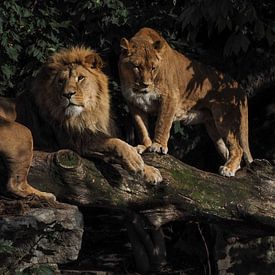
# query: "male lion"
157,80
68,107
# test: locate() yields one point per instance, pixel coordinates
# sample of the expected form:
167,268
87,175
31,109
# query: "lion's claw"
226,172
158,148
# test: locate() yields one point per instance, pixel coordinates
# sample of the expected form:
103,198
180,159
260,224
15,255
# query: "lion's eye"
80,77
153,68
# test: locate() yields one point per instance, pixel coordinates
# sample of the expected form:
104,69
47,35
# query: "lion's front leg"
130,159
141,122
125,153
164,123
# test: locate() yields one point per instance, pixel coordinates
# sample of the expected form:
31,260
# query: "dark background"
236,37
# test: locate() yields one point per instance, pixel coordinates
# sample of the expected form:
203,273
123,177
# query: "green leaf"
16,8
7,71
15,36
12,53
178,128
26,13
4,40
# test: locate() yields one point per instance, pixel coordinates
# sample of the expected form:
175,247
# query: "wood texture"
186,193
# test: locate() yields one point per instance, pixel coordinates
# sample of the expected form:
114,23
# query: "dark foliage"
32,29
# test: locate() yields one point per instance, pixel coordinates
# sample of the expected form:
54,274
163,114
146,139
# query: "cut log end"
67,159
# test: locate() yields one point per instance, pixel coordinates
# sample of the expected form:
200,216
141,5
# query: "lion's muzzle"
68,94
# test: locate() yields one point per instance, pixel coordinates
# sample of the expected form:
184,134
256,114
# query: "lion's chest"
148,102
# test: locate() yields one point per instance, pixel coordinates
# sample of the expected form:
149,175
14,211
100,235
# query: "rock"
244,256
43,236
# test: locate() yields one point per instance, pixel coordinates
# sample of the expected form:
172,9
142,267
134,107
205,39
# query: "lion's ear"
124,44
94,60
158,45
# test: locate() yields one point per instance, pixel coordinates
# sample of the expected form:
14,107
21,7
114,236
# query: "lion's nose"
146,84
68,94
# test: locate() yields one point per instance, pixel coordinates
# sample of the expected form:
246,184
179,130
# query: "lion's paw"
226,172
152,175
49,196
42,195
158,148
132,161
141,148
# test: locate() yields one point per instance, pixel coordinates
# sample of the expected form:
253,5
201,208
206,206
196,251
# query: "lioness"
68,107
158,80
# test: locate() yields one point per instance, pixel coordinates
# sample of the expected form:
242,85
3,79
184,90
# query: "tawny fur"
158,80
96,116
68,107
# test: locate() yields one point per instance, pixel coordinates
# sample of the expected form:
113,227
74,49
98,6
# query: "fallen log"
241,207
186,193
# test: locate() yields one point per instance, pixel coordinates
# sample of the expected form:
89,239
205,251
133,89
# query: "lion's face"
140,64
74,90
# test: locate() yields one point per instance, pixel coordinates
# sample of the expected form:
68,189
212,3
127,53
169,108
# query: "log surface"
185,193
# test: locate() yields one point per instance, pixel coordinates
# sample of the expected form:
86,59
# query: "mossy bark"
185,193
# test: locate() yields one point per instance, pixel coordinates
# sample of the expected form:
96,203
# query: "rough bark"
185,193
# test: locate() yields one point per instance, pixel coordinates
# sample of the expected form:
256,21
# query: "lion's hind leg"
235,156
227,125
216,138
227,146
16,146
